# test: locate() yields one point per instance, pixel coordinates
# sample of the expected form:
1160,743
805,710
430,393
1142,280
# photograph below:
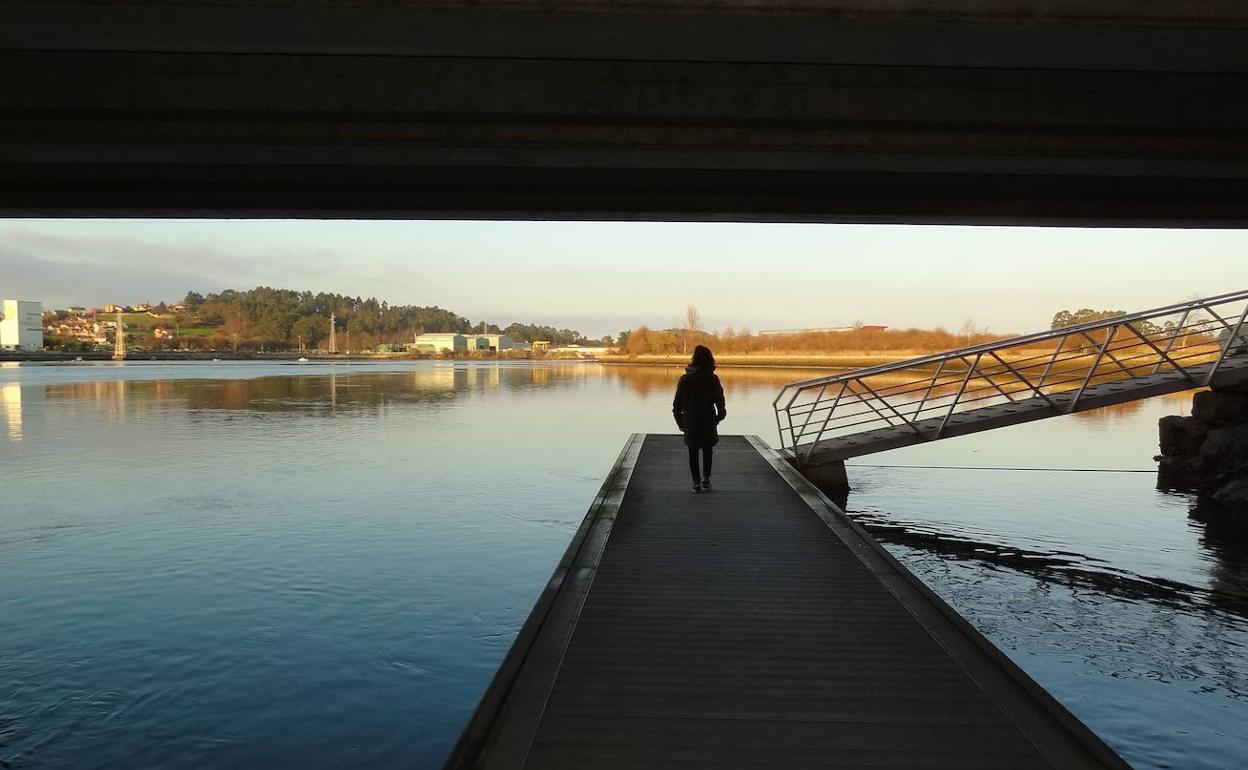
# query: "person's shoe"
697,488
706,484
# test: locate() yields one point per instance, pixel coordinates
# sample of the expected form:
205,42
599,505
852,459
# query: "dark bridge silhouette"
1016,111
757,625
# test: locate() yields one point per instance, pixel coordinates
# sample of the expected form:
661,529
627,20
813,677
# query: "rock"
1233,494
1181,435
1220,408
1187,472
1225,451
1230,381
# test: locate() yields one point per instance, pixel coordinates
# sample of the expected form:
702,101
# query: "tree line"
644,340
265,317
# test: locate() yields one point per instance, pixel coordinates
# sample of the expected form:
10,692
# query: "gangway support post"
827,475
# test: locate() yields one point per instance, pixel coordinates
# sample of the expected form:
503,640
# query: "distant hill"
274,319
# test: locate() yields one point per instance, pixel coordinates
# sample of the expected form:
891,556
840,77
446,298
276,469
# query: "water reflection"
11,407
310,394
1225,543
369,538
648,381
1224,534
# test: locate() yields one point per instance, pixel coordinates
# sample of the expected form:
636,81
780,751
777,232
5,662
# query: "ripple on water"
250,565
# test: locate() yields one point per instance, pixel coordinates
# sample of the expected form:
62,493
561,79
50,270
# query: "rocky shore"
1208,452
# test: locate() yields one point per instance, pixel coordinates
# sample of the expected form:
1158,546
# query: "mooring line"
999,468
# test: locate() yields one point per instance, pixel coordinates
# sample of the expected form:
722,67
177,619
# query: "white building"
492,342
440,342
22,325
452,341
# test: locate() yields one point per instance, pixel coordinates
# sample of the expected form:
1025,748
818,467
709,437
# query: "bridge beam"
1015,112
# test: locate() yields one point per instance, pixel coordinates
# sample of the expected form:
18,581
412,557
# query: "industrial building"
440,342
452,341
493,342
22,325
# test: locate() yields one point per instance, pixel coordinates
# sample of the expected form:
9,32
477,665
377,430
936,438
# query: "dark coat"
699,406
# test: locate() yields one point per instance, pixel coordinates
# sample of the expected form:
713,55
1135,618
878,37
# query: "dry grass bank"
840,360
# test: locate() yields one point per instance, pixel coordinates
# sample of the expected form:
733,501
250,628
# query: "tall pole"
119,340
333,336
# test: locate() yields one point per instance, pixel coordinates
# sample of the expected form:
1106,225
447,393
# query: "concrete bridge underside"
1011,111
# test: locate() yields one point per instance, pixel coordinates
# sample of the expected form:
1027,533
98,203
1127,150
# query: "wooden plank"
752,627
498,733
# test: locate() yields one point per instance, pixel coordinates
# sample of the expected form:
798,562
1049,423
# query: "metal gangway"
824,421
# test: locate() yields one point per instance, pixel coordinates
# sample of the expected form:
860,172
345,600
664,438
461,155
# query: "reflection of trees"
1112,412
644,380
317,393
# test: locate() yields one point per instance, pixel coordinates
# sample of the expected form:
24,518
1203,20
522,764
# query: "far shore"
806,361
286,355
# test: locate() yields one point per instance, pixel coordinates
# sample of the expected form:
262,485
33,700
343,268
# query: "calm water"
247,565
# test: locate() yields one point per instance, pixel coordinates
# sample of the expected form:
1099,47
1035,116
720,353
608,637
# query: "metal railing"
1190,340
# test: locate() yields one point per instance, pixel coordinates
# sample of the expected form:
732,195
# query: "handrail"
1064,331
1118,348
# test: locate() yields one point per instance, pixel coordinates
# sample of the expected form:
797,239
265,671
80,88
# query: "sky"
603,277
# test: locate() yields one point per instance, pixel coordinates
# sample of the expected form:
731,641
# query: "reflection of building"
22,325
485,377
11,409
440,378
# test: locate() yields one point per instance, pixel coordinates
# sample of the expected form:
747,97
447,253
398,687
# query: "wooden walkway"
753,626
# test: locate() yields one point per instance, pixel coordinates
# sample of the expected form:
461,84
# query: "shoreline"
846,361
175,355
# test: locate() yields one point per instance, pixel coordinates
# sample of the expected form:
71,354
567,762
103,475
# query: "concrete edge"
1058,735
502,727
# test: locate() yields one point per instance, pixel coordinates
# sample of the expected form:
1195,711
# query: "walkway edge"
517,695
1071,746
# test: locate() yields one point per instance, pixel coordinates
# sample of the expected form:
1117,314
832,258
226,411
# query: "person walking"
698,408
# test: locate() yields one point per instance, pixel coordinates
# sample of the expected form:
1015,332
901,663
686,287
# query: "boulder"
1181,435
1187,472
1220,408
1233,494
1225,450
1230,381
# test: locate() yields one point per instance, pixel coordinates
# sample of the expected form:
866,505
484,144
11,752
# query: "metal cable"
998,468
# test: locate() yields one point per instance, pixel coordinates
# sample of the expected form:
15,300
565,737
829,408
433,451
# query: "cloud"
94,270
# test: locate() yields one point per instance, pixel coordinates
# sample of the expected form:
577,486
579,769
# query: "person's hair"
702,358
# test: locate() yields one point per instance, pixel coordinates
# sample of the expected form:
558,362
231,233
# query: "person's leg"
707,455
693,465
